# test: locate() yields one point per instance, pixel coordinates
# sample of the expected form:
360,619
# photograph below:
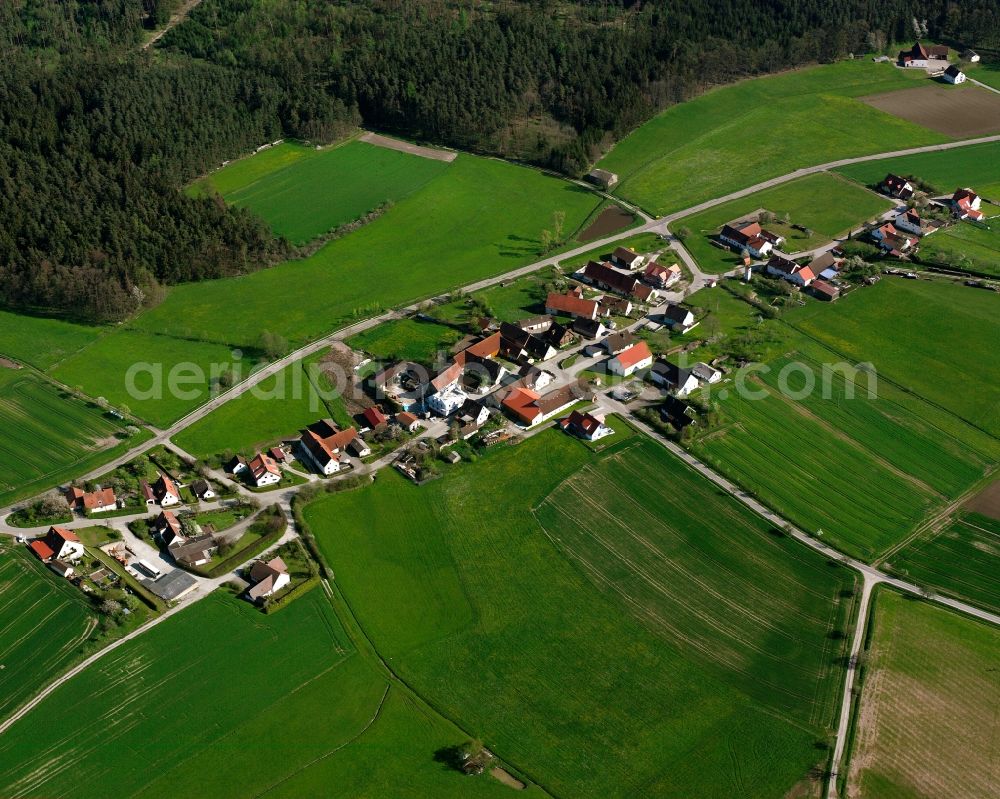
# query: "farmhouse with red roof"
586,425
636,357
571,304
965,204
57,544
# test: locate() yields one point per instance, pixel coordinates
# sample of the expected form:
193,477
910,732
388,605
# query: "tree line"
98,138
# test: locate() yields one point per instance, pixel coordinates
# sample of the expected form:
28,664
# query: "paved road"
659,225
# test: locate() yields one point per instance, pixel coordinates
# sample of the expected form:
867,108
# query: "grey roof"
677,313
671,373
590,328
194,548
171,585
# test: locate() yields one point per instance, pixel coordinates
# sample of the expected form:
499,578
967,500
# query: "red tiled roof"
825,288
586,422
41,549
489,347
406,418
572,304
657,270
634,354
806,273
170,520
166,486
263,464
448,376
99,499
63,533
521,402
374,416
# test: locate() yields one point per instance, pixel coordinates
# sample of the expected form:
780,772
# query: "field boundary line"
348,742
353,627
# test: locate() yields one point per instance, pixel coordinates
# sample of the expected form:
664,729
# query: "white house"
791,271
64,544
359,448
100,501
954,75
586,425
264,471
662,276
202,489
911,221
965,204
631,360
446,402
323,444
679,318
750,236
166,492
627,259
706,373
409,422
898,187
268,578
680,381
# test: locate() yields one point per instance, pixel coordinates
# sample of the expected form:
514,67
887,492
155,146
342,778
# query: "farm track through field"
935,523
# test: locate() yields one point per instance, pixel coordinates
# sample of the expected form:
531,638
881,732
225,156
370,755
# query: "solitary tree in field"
682,233
545,238
558,219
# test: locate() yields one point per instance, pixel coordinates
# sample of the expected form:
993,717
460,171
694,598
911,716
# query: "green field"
977,166
480,217
278,407
987,72
102,369
959,559
47,435
223,701
866,470
740,135
931,338
42,341
929,706
610,624
44,622
826,204
302,197
241,173
966,246
405,340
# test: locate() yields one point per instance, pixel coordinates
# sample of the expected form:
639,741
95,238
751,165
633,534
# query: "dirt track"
406,147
